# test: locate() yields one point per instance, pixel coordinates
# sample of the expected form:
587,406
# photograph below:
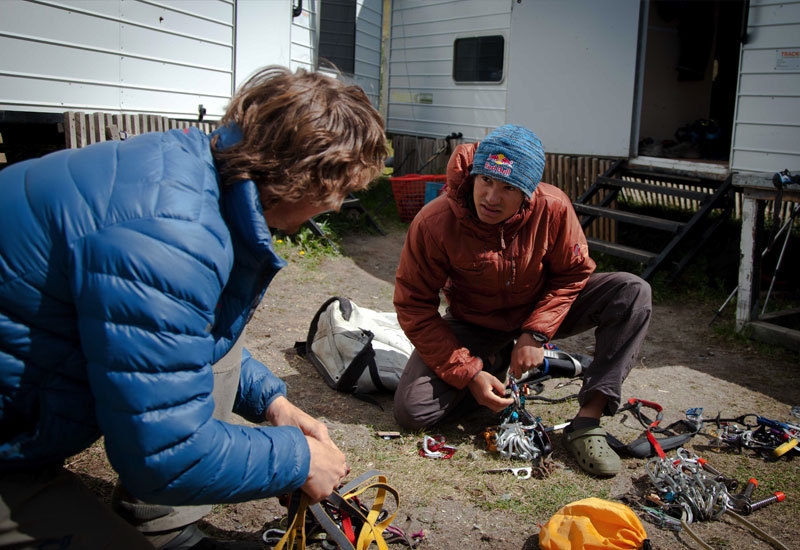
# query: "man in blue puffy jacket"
128,271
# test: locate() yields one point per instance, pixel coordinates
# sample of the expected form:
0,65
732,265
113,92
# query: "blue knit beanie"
512,154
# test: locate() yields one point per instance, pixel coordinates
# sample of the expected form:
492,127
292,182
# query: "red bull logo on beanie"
500,164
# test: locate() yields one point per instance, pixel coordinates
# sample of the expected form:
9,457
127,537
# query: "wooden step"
620,251
694,181
651,188
629,217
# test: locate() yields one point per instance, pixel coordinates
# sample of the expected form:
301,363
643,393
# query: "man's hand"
526,355
488,391
282,412
328,465
326,470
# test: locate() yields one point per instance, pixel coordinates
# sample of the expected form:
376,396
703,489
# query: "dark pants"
617,304
52,508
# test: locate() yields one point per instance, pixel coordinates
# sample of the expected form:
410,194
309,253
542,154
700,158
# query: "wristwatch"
538,336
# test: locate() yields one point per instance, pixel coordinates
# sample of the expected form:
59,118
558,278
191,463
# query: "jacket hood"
460,185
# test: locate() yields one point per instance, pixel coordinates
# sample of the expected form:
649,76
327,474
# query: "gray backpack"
355,349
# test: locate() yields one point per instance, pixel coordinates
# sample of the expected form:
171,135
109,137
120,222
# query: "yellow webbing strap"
295,536
371,529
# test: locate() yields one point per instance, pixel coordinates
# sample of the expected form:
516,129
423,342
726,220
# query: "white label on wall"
787,59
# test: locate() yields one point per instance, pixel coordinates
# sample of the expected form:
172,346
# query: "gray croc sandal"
590,448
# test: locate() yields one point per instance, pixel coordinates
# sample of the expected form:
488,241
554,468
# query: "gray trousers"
52,508
617,304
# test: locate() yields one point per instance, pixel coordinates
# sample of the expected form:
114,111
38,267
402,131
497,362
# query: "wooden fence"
572,174
82,129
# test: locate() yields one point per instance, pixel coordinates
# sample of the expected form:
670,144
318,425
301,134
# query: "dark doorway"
690,73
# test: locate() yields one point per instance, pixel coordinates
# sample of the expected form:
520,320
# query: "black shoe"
192,538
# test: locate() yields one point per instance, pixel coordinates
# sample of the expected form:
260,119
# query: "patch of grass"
378,201
306,246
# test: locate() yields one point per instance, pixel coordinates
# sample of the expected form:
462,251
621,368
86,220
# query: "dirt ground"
683,364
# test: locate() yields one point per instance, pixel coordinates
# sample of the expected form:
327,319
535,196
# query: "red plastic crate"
409,193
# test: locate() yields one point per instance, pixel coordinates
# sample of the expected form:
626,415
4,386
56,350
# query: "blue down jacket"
125,273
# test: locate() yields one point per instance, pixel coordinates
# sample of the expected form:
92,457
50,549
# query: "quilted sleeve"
258,388
421,273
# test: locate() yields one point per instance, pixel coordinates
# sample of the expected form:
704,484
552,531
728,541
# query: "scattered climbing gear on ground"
769,438
519,435
521,473
344,519
686,488
355,349
671,437
434,447
689,491
593,523
590,448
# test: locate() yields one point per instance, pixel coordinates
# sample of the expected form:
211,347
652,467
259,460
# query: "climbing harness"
343,520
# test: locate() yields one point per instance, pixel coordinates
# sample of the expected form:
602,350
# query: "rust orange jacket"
522,274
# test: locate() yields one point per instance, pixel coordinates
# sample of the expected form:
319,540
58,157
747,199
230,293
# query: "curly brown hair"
306,137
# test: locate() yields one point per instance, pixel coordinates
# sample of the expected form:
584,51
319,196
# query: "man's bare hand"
526,355
282,412
326,470
489,391
328,465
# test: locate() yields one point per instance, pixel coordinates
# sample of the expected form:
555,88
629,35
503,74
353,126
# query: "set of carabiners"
520,435
517,441
690,492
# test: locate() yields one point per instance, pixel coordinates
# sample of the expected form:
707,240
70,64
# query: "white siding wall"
263,35
304,37
423,98
161,57
572,73
369,14
766,135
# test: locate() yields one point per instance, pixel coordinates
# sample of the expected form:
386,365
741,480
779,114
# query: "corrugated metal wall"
766,135
134,56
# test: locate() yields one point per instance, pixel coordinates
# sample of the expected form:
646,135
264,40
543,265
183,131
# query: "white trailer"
605,78
165,57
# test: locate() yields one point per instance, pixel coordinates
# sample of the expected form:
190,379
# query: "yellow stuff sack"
593,523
